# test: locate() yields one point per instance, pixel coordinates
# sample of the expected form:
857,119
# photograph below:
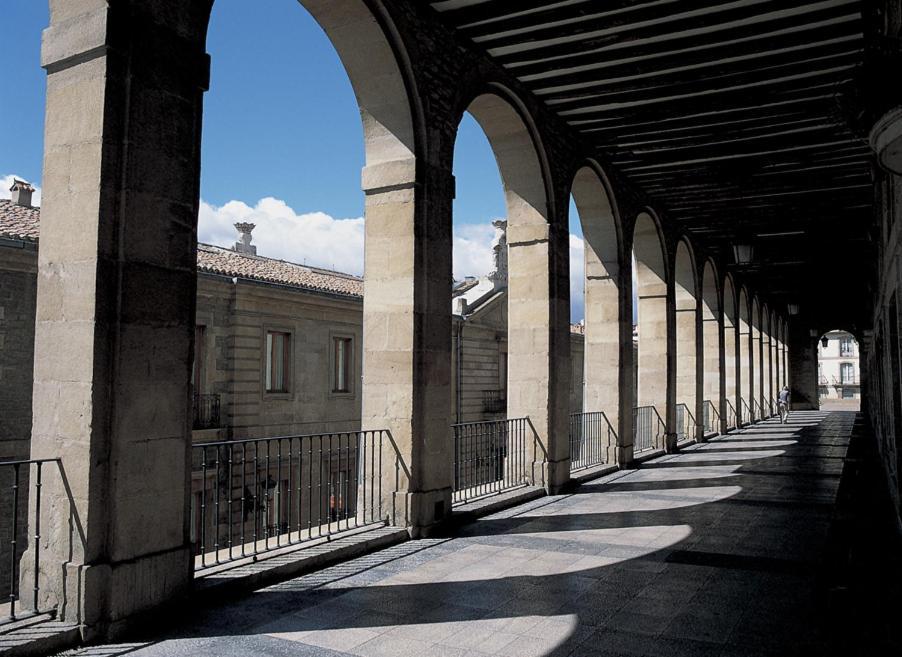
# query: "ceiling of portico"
731,116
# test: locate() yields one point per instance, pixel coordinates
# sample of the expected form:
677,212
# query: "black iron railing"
253,496
732,419
493,401
686,425
757,411
592,440
19,480
711,417
746,416
649,429
493,456
206,411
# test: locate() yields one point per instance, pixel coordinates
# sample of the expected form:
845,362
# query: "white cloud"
317,239
313,238
6,181
473,250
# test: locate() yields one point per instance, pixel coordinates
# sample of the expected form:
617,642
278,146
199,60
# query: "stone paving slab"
713,551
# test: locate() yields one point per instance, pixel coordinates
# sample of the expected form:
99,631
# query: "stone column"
655,362
407,335
730,371
115,310
713,366
539,341
745,369
766,396
755,356
802,368
687,358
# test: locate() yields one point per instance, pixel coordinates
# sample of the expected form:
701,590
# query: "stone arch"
380,72
538,295
746,364
651,276
135,198
686,285
731,371
605,330
712,346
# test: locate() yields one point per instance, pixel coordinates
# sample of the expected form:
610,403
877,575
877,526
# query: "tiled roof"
216,260
23,223
18,222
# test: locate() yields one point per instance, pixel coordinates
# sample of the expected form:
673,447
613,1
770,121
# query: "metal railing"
206,411
592,439
745,416
490,457
757,411
732,420
493,401
19,479
253,496
649,429
686,425
711,417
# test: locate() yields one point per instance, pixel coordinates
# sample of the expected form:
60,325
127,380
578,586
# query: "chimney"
243,245
21,193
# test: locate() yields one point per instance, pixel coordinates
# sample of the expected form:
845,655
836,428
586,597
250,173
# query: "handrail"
648,433
491,457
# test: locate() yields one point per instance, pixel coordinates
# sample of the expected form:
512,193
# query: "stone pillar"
655,363
802,368
115,310
730,372
407,335
687,358
713,365
539,341
607,325
766,395
628,371
755,380
745,369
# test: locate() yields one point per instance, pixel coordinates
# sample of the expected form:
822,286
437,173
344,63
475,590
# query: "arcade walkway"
714,551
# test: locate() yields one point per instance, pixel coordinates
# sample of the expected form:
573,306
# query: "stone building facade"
838,371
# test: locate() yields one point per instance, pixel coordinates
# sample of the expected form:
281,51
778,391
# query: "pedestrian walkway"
714,551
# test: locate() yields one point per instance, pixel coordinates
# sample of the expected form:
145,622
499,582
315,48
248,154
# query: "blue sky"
282,146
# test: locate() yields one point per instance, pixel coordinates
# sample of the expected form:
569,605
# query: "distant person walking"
783,404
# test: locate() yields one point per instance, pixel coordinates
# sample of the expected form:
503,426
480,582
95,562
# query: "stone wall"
881,361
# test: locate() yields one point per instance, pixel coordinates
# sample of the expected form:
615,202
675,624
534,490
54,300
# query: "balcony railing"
592,440
491,457
711,417
19,532
206,411
685,423
253,496
649,428
494,401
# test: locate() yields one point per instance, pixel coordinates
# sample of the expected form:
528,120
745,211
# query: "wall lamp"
743,253
792,308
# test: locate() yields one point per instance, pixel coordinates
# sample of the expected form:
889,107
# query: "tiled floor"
714,551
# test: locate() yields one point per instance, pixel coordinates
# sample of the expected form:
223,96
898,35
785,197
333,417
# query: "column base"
422,512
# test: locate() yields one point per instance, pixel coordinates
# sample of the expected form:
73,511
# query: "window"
847,373
342,358
197,371
277,361
847,346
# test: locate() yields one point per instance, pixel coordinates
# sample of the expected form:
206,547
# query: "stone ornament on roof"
243,245
499,253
